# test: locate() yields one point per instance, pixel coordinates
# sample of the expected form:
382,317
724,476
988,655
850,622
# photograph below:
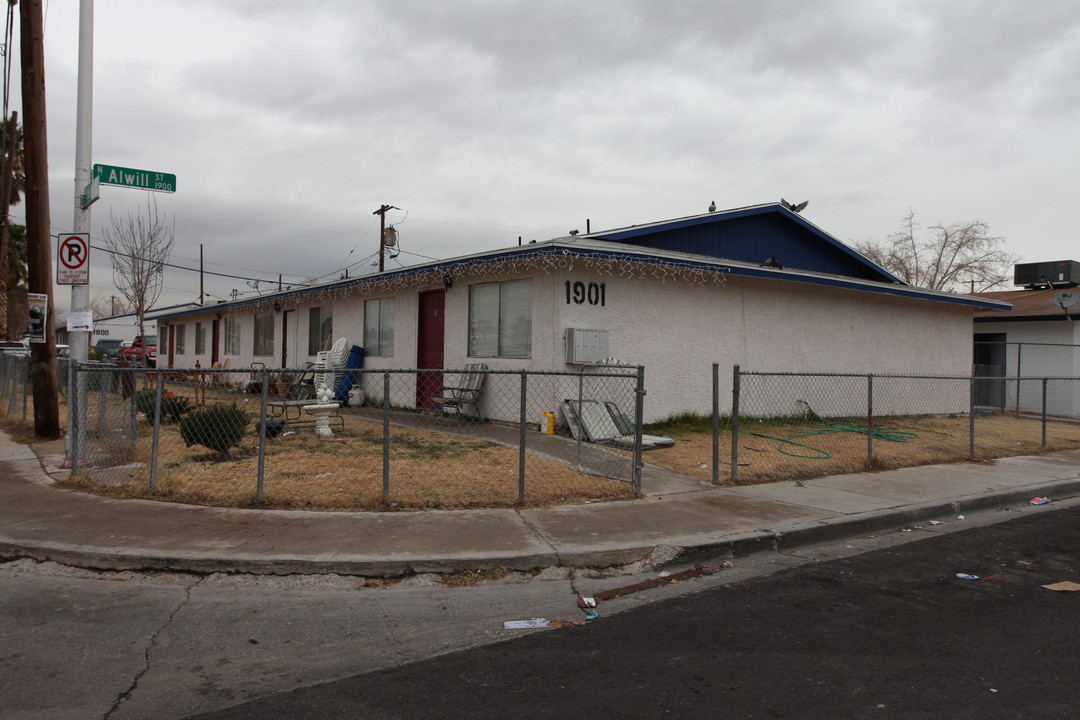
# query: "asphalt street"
890,633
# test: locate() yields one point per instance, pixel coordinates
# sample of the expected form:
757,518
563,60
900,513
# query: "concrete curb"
737,544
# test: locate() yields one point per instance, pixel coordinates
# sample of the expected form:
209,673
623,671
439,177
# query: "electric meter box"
586,346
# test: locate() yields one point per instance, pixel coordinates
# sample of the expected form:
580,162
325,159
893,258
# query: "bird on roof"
794,208
712,206
772,262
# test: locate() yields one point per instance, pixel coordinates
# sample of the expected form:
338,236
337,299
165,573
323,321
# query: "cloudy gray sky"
288,123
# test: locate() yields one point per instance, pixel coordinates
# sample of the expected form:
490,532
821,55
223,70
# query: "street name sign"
73,259
130,177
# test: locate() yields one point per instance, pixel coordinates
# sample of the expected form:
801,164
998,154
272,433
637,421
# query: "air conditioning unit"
1063,273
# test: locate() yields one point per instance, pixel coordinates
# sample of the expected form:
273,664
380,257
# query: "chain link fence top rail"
802,425
401,439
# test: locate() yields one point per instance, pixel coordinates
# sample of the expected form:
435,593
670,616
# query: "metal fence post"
971,417
159,384
386,437
735,389
1044,381
639,412
127,380
1019,353
521,440
17,369
264,381
716,423
869,418
25,380
73,413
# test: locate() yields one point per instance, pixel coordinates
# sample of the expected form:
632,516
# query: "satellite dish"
1065,299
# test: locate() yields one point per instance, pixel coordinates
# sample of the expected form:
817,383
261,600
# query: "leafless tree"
103,306
961,257
139,246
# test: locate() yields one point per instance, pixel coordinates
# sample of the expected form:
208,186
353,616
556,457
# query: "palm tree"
12,187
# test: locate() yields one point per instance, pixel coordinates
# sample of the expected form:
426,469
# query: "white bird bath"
322,410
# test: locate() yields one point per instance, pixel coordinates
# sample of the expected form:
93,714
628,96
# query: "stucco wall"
674,328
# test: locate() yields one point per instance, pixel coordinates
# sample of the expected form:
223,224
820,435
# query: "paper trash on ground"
525,624
1066,586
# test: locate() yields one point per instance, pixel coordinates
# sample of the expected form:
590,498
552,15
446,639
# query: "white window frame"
498,326
232,336
379,327
262,344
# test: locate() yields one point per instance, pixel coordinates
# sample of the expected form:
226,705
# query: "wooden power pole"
381,212
38,228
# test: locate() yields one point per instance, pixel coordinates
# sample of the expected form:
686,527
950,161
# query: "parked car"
108,347
143,351
14,347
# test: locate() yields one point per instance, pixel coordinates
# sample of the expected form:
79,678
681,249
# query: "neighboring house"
1038,337
123,327
759,286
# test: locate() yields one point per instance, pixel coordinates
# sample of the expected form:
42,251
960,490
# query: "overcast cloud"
288,123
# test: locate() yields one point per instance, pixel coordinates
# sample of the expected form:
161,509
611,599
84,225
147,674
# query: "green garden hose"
830,426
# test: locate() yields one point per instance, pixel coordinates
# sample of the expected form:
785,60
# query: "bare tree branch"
961,257
140,246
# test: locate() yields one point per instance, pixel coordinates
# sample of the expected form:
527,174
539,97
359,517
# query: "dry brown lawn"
765,457
432,469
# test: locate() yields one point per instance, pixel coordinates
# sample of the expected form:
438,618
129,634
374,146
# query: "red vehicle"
143,351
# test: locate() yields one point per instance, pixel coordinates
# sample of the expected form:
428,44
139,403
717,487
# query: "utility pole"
38,229
200,275
381,212
11,129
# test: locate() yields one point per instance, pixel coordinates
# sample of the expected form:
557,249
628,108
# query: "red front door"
429,351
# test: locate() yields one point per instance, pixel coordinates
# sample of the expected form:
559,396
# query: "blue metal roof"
754,235
808,255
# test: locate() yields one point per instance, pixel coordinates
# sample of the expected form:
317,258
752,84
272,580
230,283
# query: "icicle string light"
546,261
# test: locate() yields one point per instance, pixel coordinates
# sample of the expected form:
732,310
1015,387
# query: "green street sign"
130,177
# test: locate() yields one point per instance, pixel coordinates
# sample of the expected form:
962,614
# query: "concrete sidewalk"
680,520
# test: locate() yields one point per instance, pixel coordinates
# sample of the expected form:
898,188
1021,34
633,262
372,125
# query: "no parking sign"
73,259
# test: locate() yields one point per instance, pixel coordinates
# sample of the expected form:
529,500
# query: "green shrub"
172,406
217,427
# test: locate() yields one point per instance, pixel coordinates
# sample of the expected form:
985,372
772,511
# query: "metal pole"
735,389
1044,381
158,387
79,340
1019,352
869,418
73,414
133,428
716,423
264,381
639,413
521,439
386,438
971,417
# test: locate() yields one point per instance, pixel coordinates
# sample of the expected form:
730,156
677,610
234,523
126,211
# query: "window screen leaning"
178,338
200,339
500,319
379,327
232,336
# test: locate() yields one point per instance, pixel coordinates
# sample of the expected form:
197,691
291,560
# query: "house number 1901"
579,293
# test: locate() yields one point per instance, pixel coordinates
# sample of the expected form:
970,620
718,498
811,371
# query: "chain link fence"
798,425
15,385
359,439
1004,360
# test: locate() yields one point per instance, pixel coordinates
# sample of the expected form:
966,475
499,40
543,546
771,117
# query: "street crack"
126,695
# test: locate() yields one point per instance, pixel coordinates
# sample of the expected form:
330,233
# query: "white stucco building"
1038,337
760,287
